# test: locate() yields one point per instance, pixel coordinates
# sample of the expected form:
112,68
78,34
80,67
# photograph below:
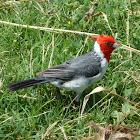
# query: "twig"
47,29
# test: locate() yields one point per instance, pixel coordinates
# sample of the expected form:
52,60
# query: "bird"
78,73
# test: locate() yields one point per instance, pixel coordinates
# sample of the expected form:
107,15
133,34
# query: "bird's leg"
78,95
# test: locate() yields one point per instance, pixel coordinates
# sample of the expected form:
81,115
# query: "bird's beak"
116,44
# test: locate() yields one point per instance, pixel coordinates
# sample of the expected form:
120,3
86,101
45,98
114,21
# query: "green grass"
25,52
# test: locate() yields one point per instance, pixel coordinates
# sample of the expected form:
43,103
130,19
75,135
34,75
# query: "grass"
46,111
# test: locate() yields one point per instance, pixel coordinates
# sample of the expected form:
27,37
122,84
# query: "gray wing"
86,65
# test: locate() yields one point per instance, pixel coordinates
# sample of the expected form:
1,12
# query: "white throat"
97,49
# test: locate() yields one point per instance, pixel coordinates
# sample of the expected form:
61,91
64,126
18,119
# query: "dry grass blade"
82,46
9,3
47,133
41,114
51,57
10,118
130,49
105,18
12,2
17,2
3,115
1,82
25,96
99,89
41,9
89,138
96,90
62,129
31,62
47,29
43,52
47,102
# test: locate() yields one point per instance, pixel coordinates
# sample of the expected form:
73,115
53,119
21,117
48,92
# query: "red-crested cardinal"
78,73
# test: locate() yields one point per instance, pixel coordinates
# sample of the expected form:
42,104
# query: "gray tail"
27,83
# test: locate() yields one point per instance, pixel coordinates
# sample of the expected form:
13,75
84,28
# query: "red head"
107,45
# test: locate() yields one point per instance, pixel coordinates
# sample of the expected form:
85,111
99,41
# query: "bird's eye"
107,43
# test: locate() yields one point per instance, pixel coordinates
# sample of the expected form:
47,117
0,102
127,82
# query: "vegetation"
49,112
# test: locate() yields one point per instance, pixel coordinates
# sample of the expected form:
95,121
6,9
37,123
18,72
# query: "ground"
49,112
